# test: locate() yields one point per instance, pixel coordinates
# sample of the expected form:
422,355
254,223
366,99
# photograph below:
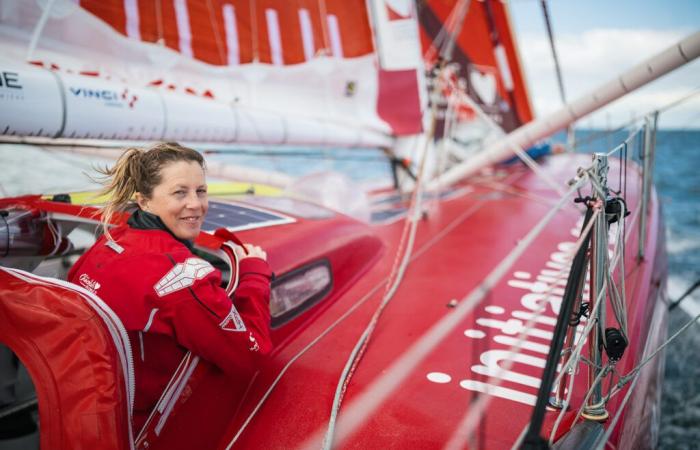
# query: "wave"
677,285
681,244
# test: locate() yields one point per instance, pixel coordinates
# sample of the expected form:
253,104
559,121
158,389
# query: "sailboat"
473,303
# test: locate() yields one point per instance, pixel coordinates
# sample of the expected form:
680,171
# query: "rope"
517,149
454,20
397,272
601,134
634,372
626,142
550,35
604,439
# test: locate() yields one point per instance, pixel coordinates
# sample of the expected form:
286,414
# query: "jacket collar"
142,220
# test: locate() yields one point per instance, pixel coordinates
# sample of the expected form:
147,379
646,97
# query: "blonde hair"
139,170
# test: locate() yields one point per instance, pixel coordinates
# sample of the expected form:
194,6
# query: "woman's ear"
142,201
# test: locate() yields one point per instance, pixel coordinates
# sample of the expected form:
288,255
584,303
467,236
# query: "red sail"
496,83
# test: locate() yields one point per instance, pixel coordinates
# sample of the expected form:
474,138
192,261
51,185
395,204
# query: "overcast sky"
596,40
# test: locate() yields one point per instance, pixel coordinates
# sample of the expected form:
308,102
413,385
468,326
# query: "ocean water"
678,183
677,177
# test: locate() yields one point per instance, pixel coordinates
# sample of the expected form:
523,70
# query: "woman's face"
180,200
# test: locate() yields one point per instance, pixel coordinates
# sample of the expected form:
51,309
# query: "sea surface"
677,177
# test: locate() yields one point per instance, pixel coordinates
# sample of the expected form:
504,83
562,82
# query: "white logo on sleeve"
183,275
233,321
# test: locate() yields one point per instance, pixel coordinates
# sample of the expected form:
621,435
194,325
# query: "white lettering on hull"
541,299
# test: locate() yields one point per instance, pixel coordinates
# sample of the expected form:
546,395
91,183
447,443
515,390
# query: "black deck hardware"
615,344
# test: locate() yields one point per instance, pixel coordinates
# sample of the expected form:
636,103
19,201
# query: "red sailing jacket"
170,301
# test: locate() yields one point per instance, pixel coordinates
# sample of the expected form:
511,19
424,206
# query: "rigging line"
598,380
449,45
623,146
602,134
517,149
564,407
620,252
688,291
624,380
550,35
617,259
397,272
509,189
606,437
371,398
440,38
634,372
38,29
299,355
468,423
576,357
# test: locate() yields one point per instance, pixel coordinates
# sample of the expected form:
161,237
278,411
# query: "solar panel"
237,217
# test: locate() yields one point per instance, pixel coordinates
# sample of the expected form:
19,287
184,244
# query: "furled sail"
301,72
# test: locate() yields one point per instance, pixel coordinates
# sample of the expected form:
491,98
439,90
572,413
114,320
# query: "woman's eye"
201,191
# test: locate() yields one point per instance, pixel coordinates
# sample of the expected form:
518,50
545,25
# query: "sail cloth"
285,66
486,55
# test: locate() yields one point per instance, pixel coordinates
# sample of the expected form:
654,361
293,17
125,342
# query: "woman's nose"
194,201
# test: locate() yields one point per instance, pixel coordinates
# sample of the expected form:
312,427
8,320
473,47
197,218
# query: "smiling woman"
169,300
180,200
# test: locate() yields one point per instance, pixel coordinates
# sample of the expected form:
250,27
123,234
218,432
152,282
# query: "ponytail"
120,184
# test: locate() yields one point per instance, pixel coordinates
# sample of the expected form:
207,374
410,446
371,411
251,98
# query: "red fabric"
398,102
199,317
157,22
72,360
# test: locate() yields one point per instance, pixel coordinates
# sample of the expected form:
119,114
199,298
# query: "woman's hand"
253,252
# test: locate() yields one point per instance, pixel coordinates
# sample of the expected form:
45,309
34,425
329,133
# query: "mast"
673,57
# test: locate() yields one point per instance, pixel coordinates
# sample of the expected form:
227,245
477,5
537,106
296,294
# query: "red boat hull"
430,373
